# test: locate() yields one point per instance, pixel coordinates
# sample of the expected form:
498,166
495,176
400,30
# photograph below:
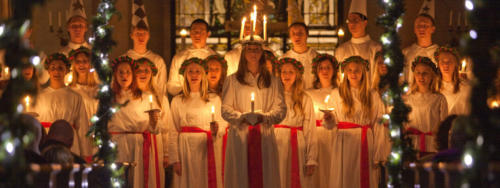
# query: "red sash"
224,144
212,174
318,122
295,154
421,135
254,157
46,124
365,164
146,135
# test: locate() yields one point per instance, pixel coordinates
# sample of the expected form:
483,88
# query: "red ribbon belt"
46,124
318,122
295,154
146,135
212,174
422,135
224,144
365,168
254,157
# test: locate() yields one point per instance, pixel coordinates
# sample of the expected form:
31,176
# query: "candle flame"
254,17
27,100
342,76
151,98
341,32
70,78
183,32
252,96
213,109
494,104
464,63
327,98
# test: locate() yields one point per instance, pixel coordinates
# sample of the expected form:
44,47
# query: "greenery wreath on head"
358,59
269,56
148,62
426,61
57,56
446,49
189,62
121,59
217,58
292,61
321,57
73,53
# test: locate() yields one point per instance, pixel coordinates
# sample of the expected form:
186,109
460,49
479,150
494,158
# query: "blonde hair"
455,78
364,94
433,86
376,79
152,87
186,89
90,81
297,93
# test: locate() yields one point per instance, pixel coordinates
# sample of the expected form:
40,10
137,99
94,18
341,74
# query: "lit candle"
183,32
213,113
265,27
464,64
70,78
252,99
254,18
27,101
151,102
242,27
341,77
6,71
50,18
341,32
494,104
451,18
326,101
59,18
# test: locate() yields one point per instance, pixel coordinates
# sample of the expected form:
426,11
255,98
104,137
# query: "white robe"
458,103
233,58
306,59
363,46
235,102
324,138
345,167
90,102
427,112
132,118
412,52
64,103
306,145
176,81
160,79
190,149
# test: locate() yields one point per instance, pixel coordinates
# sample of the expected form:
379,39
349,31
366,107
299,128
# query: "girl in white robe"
456,90
251,153
297,149
60,102
84,82
324,69
196,145
216,68
428,106
355,120
139,133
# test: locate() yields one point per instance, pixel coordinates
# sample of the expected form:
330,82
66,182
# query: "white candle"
451,18
50,18
27,101
70,78
242,27
6,71
150,102
252,99
265,27
341,77
326,101
213,113
254,18
341,32
59,18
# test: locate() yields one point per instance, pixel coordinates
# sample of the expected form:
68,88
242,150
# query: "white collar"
360,40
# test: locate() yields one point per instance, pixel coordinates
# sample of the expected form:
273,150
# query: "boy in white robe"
60,102
298,33
199,32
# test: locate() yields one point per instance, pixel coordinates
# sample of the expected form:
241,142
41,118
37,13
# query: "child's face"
447,63
288,75
325,70
423,75
140,37
382,68
194,74
82,64
57,69
298,35
124,75
354,73
214,72
27,73
143,75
